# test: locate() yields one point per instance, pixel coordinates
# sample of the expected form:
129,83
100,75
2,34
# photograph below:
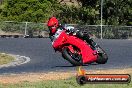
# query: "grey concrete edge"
19,60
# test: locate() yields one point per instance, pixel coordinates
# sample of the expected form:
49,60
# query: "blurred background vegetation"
115,12
27,17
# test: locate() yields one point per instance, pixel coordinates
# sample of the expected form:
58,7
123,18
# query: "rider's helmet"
52,24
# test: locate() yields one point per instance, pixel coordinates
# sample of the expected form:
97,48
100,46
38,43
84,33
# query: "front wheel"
74,58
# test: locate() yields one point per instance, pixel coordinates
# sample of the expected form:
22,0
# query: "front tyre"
74,58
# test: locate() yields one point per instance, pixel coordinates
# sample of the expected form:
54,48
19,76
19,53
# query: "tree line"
115,12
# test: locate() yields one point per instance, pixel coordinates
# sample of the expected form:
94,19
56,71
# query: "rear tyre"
74,58
102,56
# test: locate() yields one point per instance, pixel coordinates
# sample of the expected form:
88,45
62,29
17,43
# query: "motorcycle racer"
76,46
54,26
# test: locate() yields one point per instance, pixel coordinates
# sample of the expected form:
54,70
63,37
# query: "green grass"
4,58
68,83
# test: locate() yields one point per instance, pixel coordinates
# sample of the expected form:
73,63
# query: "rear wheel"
102,56
74,58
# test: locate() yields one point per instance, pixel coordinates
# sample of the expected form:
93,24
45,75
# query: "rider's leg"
84,35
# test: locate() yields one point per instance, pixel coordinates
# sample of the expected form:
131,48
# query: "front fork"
72,50
70,47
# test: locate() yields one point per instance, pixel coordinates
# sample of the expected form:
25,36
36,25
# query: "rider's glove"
70,29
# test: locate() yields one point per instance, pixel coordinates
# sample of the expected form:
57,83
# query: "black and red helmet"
52,24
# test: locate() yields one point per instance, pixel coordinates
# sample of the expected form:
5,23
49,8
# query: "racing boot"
85,36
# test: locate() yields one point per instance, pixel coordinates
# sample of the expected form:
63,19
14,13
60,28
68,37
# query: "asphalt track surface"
43,57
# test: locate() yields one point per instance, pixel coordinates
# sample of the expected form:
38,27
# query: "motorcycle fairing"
88,55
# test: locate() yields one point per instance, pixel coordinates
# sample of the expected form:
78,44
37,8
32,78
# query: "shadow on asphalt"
68,66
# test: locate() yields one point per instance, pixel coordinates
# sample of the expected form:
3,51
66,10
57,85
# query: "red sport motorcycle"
77,50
